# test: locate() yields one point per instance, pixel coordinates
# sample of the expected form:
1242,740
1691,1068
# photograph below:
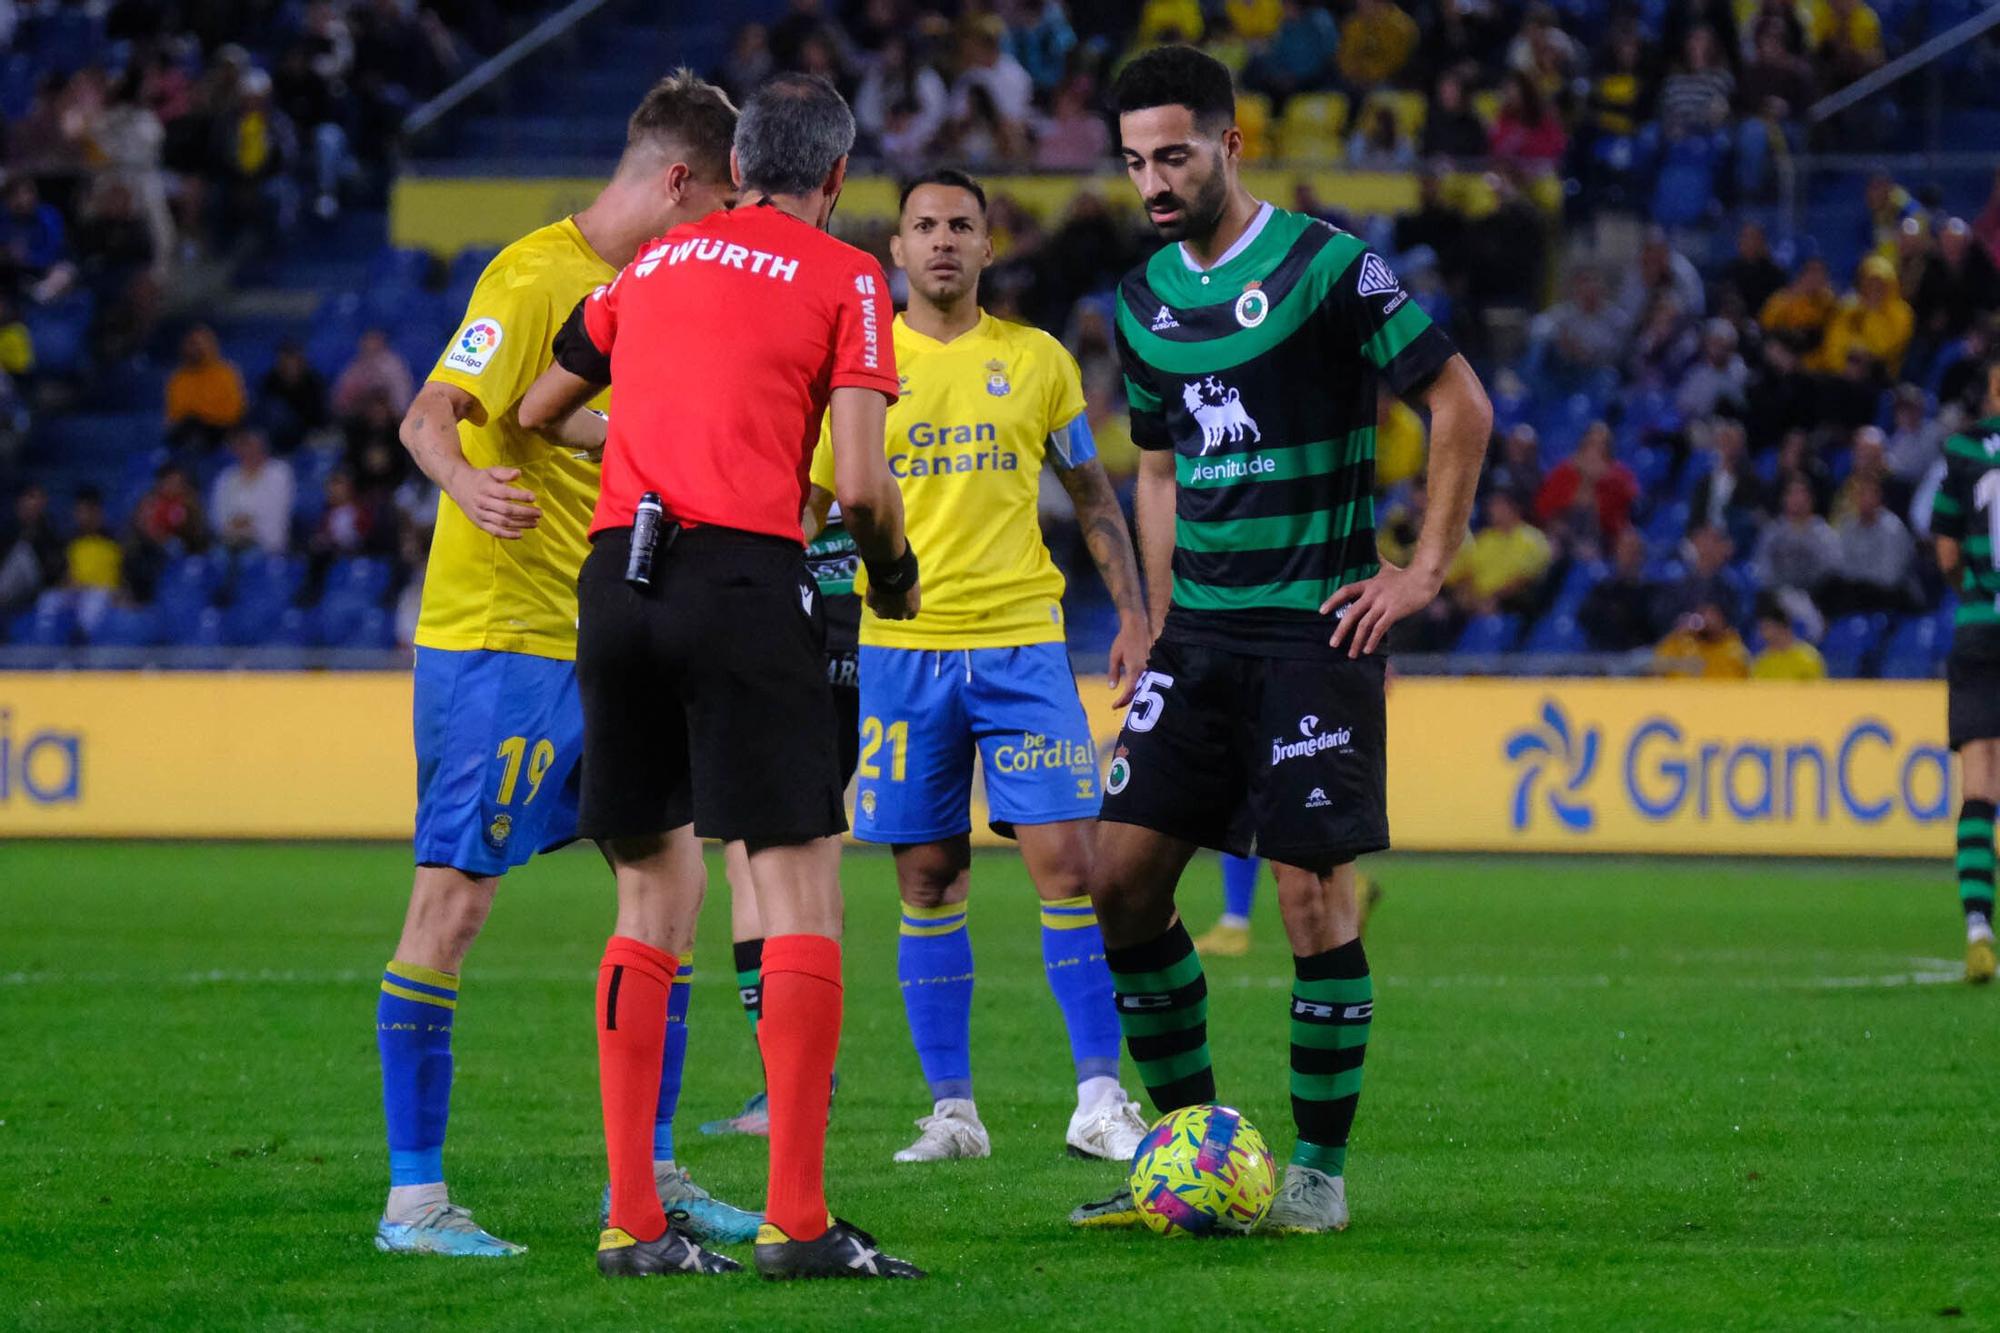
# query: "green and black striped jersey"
1967,510
1262,375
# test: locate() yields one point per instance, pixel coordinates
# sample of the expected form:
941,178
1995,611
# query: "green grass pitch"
1601,1093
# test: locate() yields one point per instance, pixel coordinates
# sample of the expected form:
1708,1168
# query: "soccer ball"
1203,1169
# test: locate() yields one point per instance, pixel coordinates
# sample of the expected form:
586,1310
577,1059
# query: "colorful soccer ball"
1203,1169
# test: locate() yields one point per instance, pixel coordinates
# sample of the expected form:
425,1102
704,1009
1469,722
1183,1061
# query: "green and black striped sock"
1975,861
750,979
1163,1011
1333,999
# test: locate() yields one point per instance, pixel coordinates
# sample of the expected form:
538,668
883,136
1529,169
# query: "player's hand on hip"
1128,660
496,506
895,605
1367,609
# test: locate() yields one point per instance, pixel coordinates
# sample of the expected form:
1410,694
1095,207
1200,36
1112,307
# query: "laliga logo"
1549,744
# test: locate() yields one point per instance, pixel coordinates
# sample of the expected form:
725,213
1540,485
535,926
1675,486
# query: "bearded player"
1253,345
983,674
498,724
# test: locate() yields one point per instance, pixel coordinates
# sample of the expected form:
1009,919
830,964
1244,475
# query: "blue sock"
934,967
1239,886
413,1029
672,1061
1073,955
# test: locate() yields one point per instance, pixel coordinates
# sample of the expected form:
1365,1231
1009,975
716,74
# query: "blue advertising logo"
1553,745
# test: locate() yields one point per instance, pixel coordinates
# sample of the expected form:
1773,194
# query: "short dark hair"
947,176
791,132
689,115
1178,76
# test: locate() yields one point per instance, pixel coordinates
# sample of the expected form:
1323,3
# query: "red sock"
633,982
799,1034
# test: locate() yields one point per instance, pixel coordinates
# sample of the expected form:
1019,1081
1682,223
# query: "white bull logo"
1221,419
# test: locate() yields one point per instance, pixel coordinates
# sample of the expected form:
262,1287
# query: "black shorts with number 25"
1232,751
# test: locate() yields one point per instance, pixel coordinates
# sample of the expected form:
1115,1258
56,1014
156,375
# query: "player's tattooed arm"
486,495
1461,424
1110,542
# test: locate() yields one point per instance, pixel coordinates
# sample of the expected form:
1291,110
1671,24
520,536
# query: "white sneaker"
1309,1200
951,1130
1110,1128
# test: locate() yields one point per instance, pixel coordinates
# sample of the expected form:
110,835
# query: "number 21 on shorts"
511,752
873,733
1147,701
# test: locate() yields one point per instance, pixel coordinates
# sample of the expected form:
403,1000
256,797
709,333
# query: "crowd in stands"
1715,445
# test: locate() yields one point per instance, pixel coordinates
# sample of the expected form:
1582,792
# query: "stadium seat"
1667,524
1556,632
1915,650
1850,644
373,629
1407,106
1578,580
1253,117
204,629
127,627
263,579
1313,128
1489,634
187,588
363,577
51,626
295,627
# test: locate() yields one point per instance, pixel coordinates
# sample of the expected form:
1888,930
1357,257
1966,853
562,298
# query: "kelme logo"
1557,764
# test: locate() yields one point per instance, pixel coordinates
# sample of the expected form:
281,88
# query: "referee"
701,638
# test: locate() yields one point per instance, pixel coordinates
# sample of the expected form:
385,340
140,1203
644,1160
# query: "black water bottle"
645,537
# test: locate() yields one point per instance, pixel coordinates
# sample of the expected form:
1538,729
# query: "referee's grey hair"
790,133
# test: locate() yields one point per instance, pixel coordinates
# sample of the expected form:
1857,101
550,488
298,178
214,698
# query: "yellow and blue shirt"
515,596
966,443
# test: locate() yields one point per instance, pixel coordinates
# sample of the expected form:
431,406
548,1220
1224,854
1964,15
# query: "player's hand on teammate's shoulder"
1365,611
895,605
494,504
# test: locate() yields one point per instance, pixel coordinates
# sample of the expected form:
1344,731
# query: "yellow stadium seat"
1253,117
1314,128
1409,109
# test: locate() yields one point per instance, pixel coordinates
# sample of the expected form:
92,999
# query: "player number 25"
873,733
513,750
1147,701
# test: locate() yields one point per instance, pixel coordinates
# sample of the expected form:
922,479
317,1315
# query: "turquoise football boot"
444,1228
694,1209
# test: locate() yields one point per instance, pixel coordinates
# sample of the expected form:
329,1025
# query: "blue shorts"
499,737
923,713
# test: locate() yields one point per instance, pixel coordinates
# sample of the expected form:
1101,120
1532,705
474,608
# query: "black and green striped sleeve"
1954,497
1378,317
1142,398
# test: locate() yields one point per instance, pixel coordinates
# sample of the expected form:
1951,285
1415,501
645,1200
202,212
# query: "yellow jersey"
1801,661
479,591
965,443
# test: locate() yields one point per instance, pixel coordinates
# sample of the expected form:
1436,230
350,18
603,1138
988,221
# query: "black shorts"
1232,751
1972,692
843,674
705,695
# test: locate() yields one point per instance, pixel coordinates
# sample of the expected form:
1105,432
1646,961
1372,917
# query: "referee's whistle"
645,537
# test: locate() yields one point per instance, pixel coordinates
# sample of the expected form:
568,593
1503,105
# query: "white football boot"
1107,1126
1309,1200
952,1129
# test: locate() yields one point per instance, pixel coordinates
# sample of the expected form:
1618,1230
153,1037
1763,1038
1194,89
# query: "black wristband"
899,575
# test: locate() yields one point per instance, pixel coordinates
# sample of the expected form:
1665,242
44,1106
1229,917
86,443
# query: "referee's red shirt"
727,337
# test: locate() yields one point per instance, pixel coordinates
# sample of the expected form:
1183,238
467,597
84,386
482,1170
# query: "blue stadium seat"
1489,634
365,578
203,629
340,614
1850,644
374,629
295,627
51,626
1556,632
127,627
1666,525
266,580
1915,650
187,587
